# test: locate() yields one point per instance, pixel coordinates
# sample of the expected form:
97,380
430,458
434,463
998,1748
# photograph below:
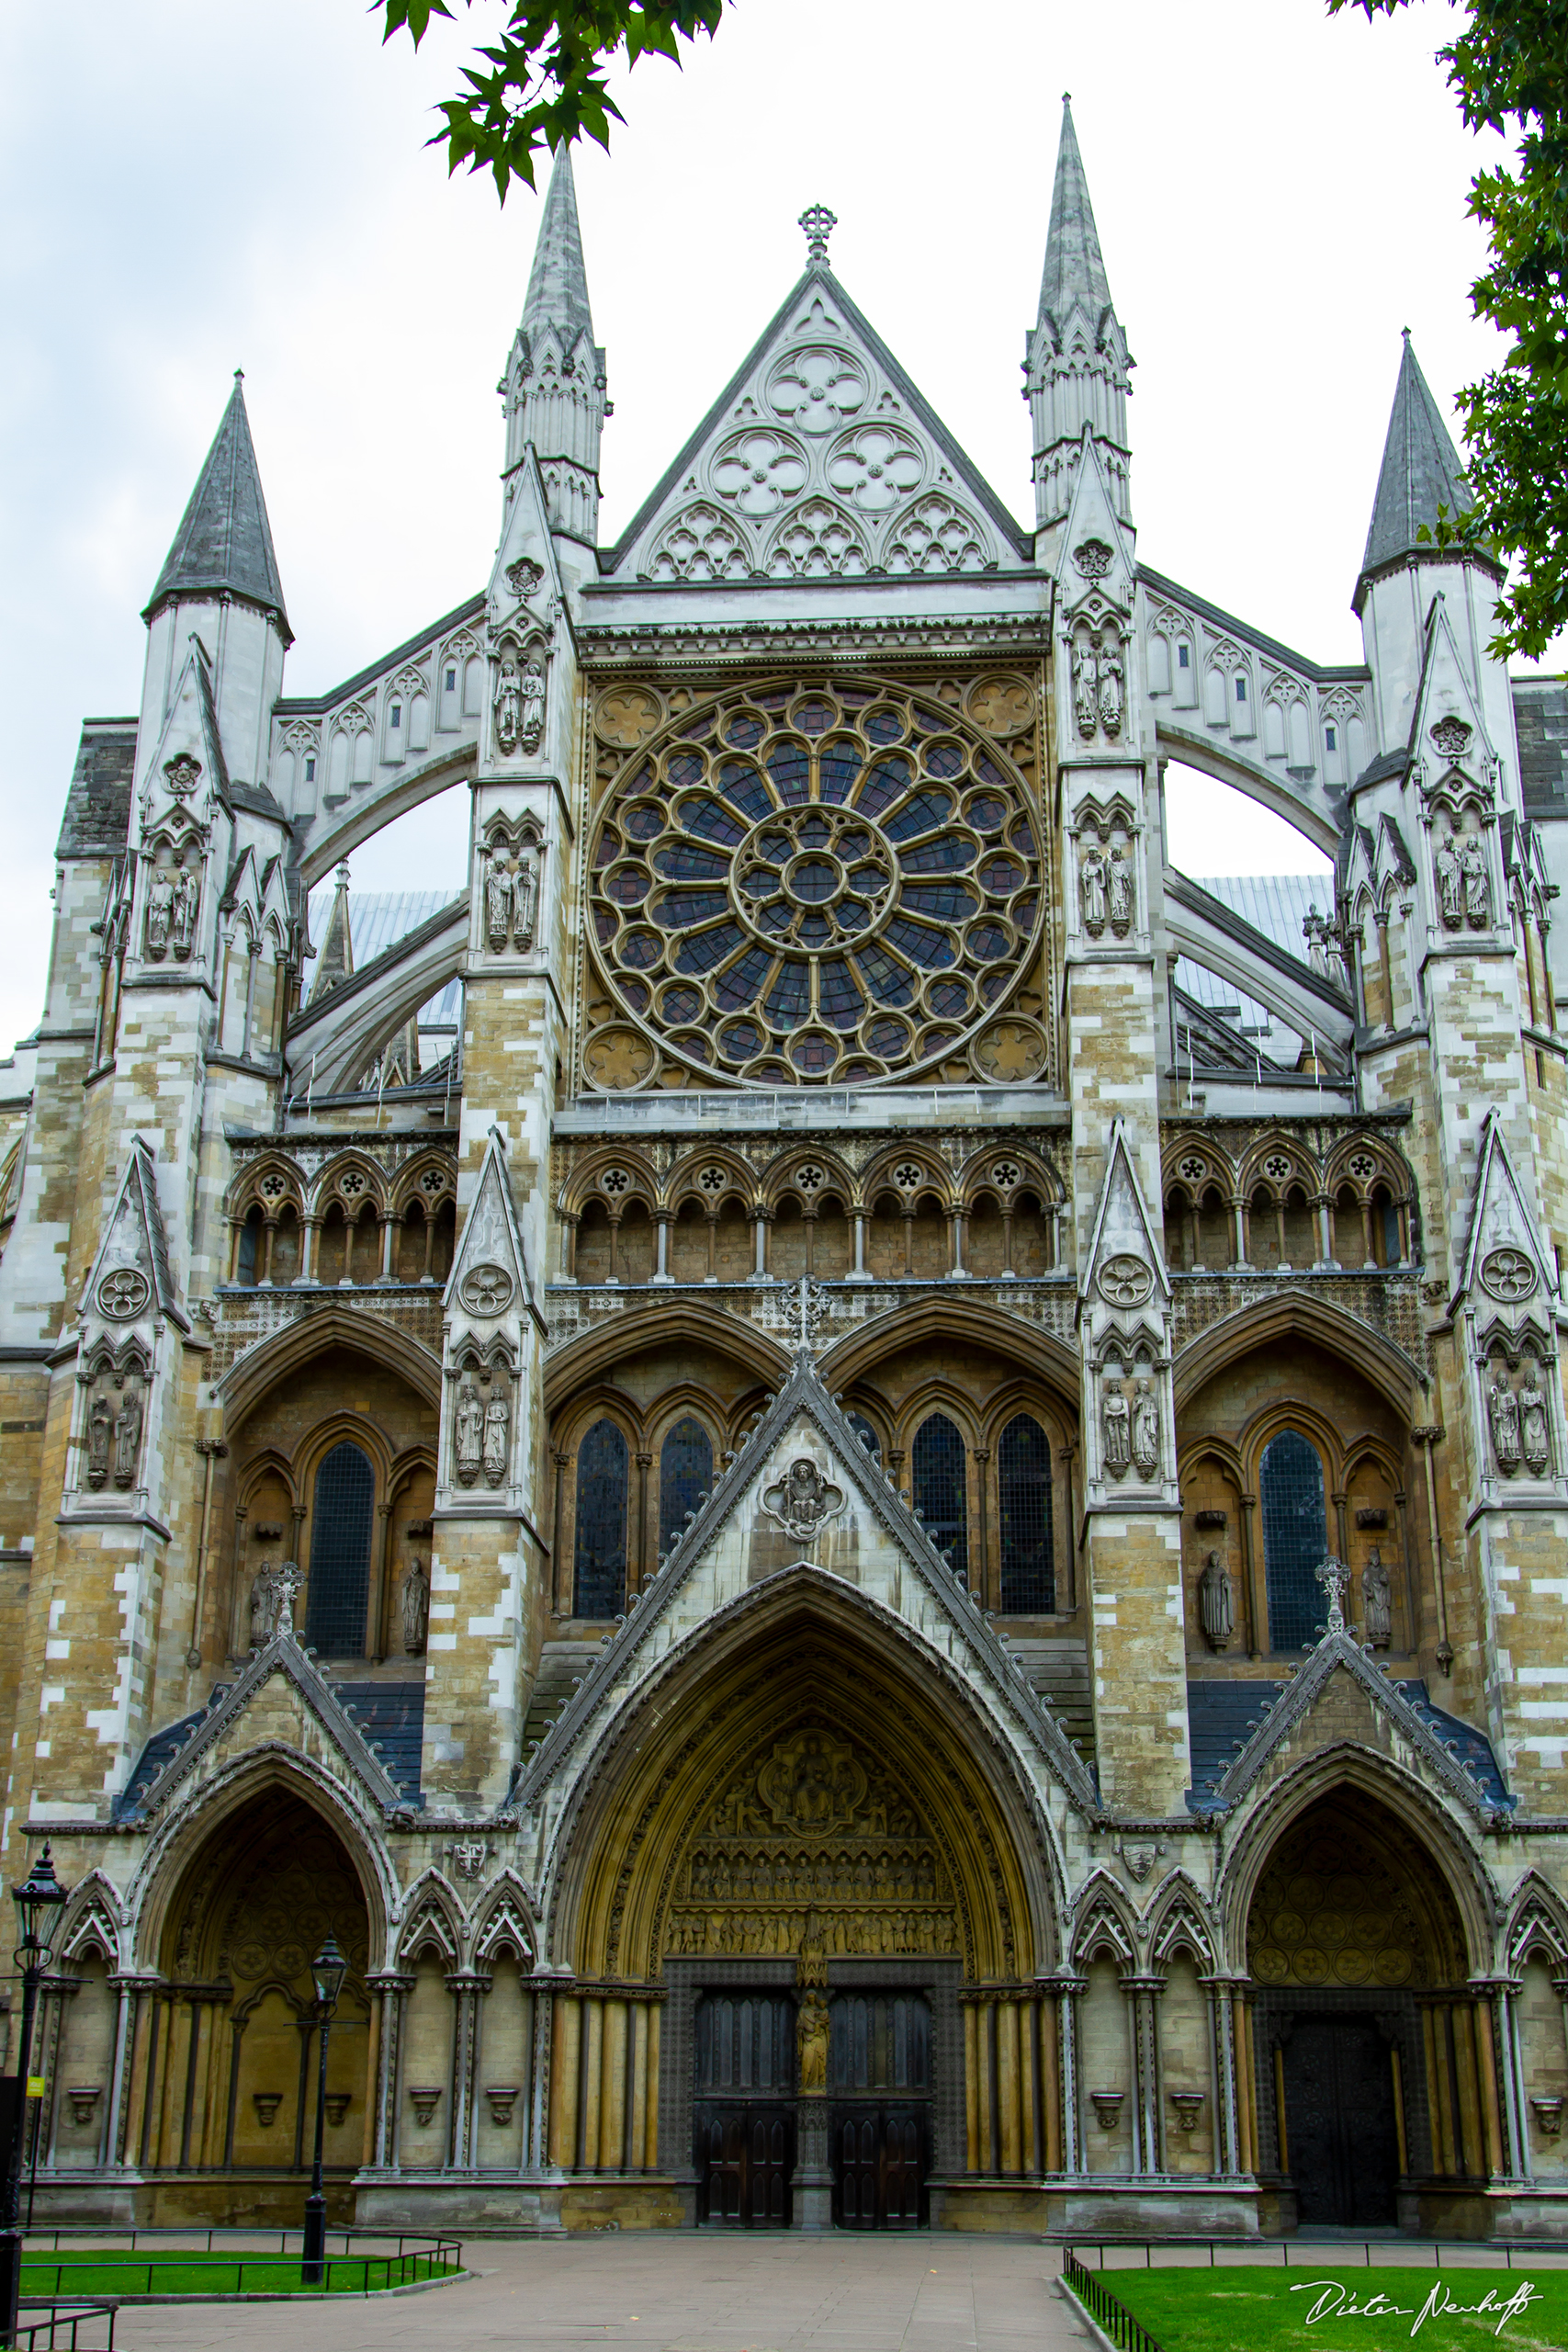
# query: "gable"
819,459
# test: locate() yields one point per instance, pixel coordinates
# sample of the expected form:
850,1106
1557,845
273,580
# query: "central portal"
1343,2140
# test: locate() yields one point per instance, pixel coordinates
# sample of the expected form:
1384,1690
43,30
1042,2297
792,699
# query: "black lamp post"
328,1968
39,1900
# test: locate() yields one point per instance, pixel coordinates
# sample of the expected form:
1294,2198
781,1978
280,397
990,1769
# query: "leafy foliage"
543,79
1509,65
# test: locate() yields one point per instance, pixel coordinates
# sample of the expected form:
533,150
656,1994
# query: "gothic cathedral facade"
893,1549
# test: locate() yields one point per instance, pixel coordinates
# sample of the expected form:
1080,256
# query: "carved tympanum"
803,1500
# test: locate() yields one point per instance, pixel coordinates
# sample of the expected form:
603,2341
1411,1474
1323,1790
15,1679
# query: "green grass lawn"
1267,2310
181,2272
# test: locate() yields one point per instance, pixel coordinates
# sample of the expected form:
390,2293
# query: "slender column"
464,1987
909,1239
957,1270
560,1595
712,1274
388,1227
1247,2099
971,2086
269,1230
809,1221
644,1462
613,2089
662,1229
127,1991
378,1563
858,1272
1504,2042
636,2160
592,2080
1325,1229
1238,1219
760,1245
1009,2087
394,1991
1429,1436
212,1449
614,1274
1008,1274
655,2017
1141,1993
985,1585
1341,1502
309,1228
1227,2157
1467,2086
1031,2135
1069,1989
565,2063
1068,1456
1254,1582
350,1227
1412,1608
1280,1224
247,1040
1385,965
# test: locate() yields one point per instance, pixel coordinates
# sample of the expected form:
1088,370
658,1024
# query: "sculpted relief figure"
1119,880
811,2036
127,1438
416,1607
497,1416
508,709
1110,687
1451,883
160,913
1503,1412
1216,1603
1091,889
1118,1429
532,723
264,1608
468,1433
183,921
1145,1429
1086,685
100,1429
1377,1599
524,898
1477,887
1535,1439
498,903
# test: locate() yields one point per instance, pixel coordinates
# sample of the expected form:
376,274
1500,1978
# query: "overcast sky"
191,185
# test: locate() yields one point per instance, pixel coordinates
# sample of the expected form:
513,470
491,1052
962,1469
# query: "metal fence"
62,2331
125,2269
1097,2299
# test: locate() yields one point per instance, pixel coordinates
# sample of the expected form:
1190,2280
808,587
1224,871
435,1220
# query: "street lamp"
329,1969
39,1900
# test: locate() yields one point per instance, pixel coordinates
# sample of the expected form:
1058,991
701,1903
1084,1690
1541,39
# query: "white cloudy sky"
189,185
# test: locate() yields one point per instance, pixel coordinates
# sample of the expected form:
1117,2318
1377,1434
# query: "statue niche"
511,888
812,1843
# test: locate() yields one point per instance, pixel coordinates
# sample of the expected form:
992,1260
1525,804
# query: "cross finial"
818,224
1335,1577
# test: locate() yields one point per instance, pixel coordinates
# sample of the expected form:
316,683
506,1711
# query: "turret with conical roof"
1421,472
220,584
1075,365
554,384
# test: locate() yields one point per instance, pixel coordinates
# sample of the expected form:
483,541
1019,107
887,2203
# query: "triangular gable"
1502,1228
1094,567
188,766
285,1660
657,1623
1123,1228
1309,1691
132,1261
1450,728
525,571
491,1237
819,458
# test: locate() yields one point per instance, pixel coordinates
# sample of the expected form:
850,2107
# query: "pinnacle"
1421,469
1075,267
223,545
558,283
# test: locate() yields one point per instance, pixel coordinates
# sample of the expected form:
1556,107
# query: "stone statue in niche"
1110,687
183,921
468,1433
1503,1412
508,709
1118,1429
416,1607
1535,1438
127,1438
524,898
811,2039
1477,884
264,1607
532,723
1451,883
498,903
160,913
497,1418
1119,890
1145,1429
1091,889
1085,685
1216,1603
1377,1599
100,1429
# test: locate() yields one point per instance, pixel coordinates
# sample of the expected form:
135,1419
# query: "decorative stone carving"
128,1437
811,2041
264,1608
1335,1579
498,904
1507,1274
182,775
424,2099
416,1607
1085,685
498,1422
100,1429
1119,890
1140,1854
502,2097
523,577
1548,2114
531,722
802,1501
1377,1601
266,2104
486,1290
1451,883
508,709
1450,737
1108,2107
468,1431
84,2098
1093,558
186,897
1117,1421
1477,883
468,1857
1111,688
1145,1429
160,913
1189,2105
1091,889
1503,1414
286,1579
1535,1435
337,2104
123,1293
1216,1602
1125,1280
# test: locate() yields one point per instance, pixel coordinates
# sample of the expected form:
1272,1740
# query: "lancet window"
1024,1517
600,1569
940,1483
341,1522
1295,1538
685,1473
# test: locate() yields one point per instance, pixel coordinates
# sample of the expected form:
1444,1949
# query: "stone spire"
223,546
1421,470
554,384
1076,364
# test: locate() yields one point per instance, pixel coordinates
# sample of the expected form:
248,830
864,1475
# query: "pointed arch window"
341,1516
685,1472
1023,1518
1296,1540
600,1567
940,1470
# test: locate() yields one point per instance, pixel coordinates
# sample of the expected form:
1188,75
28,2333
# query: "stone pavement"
679,2294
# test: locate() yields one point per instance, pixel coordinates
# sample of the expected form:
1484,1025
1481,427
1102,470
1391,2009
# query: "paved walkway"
680,2293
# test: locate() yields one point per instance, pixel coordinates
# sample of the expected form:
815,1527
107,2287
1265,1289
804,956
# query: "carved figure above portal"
263,1615
1119,891
1216,1602
802,1501
1377,1599
811,2038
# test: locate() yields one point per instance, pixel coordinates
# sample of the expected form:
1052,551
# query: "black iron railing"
73,2328
122,2269
1102,2305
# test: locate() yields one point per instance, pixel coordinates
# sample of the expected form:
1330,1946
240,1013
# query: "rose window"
826,885
757,472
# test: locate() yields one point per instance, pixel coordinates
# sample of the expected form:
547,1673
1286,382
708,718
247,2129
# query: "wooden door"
1342,2141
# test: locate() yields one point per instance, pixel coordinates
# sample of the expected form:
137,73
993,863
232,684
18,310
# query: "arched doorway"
807,1839
1374,2069
223,2117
